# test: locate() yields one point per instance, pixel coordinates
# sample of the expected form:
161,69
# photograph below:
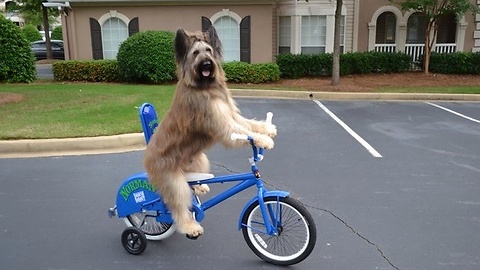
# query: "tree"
17,64
433,11
32,10
31,33
336,44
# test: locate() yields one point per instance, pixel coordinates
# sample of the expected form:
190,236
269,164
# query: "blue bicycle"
276,227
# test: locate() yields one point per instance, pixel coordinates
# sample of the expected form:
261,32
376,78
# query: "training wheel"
134,240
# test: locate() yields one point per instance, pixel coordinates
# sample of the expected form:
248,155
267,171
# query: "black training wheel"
134,240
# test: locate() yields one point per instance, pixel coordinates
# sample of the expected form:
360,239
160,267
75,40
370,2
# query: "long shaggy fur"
202,113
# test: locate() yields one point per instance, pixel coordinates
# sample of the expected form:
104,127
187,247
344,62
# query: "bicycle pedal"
191,237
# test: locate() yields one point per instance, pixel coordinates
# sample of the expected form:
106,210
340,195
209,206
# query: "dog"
202,114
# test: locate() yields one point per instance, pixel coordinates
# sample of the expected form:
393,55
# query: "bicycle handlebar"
257,152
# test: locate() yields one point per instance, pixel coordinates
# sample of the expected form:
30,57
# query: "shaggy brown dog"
202,113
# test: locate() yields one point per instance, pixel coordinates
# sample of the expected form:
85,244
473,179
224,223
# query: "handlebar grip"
236,136
269,117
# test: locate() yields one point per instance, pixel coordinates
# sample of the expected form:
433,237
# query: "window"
386,25
228,31
416,26
313,36
447,29
114,32
284,35
342,34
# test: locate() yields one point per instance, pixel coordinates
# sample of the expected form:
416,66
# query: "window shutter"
206,23
96,33
245,40
133,27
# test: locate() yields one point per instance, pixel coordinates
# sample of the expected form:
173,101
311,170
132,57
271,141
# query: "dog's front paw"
263,142
200,189
271,130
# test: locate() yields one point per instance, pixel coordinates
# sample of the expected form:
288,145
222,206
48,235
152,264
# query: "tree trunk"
336,44
46,28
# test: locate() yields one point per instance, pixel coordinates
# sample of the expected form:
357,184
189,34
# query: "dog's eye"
209,50
196,52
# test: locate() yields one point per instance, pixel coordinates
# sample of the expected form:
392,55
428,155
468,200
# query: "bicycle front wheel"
296,235
152,229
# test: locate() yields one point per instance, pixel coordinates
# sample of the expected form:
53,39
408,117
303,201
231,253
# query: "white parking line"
349,130
454,112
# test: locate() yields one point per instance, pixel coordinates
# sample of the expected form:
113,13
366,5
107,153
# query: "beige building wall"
171,18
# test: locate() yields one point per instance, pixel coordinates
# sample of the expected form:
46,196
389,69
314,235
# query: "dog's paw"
263,142
193,230
200,189
271,130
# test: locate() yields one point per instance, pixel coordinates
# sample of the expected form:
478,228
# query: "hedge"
454,63
86,71
241,72
303,65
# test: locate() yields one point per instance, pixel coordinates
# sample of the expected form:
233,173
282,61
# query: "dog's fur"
202,113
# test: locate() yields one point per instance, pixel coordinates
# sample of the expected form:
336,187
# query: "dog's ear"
215,41
181,45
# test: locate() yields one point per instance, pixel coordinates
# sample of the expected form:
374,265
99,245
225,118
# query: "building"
8,8
257,30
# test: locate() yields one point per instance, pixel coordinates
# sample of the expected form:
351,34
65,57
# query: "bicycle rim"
295,239
152,229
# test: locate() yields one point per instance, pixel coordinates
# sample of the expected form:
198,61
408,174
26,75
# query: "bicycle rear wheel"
296,236
152,229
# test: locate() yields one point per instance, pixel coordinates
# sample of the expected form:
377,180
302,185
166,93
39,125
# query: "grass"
57,110
53,110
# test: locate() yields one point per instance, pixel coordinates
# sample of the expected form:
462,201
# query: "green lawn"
55,110
58,110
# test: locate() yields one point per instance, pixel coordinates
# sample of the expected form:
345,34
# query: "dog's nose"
207,64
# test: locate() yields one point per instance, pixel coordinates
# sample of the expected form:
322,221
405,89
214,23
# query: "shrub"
57,33
31,33
17,63
302,65
86,70
241,72
147,57
455,63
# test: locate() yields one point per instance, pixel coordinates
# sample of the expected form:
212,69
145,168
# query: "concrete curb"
72,146
136,141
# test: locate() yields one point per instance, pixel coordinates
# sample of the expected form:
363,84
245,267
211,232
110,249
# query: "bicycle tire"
152,229
295,224
134,240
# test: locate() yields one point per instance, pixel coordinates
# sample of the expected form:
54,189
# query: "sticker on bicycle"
139,196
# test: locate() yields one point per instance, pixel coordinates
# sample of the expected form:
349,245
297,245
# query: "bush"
147,57
303,65
86,71
17,63
31,33
241,72
57,33
454,63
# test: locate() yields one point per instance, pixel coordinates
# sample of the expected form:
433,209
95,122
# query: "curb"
72,146
136,141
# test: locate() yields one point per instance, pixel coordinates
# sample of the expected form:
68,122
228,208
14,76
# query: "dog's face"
198,57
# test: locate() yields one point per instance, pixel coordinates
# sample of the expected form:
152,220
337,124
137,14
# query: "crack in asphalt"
384,256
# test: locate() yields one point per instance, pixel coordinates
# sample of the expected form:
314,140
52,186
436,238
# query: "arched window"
228,31
386,25
114,32
417,23
447,29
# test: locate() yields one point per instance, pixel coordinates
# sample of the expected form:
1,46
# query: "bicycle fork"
270,215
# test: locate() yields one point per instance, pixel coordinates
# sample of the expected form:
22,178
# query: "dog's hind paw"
193,230
200,189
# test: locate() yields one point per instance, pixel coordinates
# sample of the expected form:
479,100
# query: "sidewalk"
136,141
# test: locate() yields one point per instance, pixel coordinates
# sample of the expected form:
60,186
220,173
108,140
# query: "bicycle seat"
198,176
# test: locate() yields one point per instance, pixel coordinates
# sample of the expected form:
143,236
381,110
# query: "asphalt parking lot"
391,185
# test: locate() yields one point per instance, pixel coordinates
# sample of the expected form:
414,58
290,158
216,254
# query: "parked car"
40,50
